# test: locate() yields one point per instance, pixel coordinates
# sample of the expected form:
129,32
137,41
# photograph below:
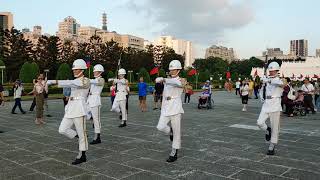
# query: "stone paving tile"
251,175
146,176
36,176
16,172
293,163
198,175
91,176
7,165
57,169
120,157
252,165
23,157
158,167
299,174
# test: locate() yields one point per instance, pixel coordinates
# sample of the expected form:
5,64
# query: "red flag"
155,70
255,73
192,72
228,74
88,64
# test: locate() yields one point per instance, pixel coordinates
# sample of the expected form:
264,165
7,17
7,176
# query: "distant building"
299,48
180,46
273,52
6,20
221,52
317,52
33,36
68,28
104,22
25,30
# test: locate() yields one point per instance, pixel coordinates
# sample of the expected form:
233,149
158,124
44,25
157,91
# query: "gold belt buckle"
168,98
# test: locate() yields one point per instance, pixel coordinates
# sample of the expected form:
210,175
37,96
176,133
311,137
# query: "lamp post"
47,71
2,68
130,71
197,75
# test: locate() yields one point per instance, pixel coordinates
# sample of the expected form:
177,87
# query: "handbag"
291,95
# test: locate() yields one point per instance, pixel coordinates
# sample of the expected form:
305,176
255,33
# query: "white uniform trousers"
120,106
80,125
274,122
95,112
176,126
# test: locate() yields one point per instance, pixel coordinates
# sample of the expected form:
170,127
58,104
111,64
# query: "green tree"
34,70
64,72
27,73
4,72
203,76
162,73
144,73
86,72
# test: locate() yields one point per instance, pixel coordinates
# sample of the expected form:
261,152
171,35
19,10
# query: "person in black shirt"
157,93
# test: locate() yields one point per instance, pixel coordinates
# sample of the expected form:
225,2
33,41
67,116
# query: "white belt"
170,97
76,98
271,97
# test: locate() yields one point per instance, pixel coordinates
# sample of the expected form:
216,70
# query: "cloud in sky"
202,21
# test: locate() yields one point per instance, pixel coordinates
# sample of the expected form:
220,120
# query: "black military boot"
173,158
96,141
124,124
82,159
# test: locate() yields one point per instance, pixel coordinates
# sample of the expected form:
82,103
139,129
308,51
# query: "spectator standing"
1,95
188,92
317,93
285,100
244,89
238,83
308,90
112,92
142,88
157,93
17,93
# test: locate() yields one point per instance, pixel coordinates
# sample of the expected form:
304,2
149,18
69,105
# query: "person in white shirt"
308,90
244,90
94,101
238,83
271,108
38,91
317,93
17,93
172,108
76,109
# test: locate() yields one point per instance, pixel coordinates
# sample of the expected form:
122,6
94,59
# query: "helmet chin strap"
78,75
99,75
175,75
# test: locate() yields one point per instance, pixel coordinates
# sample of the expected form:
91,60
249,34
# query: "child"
244,90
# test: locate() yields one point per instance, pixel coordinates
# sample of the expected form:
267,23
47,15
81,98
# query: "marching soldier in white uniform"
76,109
271,108
172,108
94,101
119,104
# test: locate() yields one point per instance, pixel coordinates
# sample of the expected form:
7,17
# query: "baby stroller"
298,108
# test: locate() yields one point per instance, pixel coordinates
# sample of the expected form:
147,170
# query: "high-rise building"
37,30
273,52
25,30
104,22
299,48
68,28
182,47
6,20
317,52
221,52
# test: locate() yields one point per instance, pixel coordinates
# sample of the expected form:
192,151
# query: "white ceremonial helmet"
175,64
122,71
98,67
79,64
273,66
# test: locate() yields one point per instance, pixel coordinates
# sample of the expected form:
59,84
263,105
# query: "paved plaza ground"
222,143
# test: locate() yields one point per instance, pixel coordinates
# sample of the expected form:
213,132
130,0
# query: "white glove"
265,79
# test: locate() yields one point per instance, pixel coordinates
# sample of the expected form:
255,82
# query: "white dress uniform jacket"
121,89
274,90
94,98
76,106
172,104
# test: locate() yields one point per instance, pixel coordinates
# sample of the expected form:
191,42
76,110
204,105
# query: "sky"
248,26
